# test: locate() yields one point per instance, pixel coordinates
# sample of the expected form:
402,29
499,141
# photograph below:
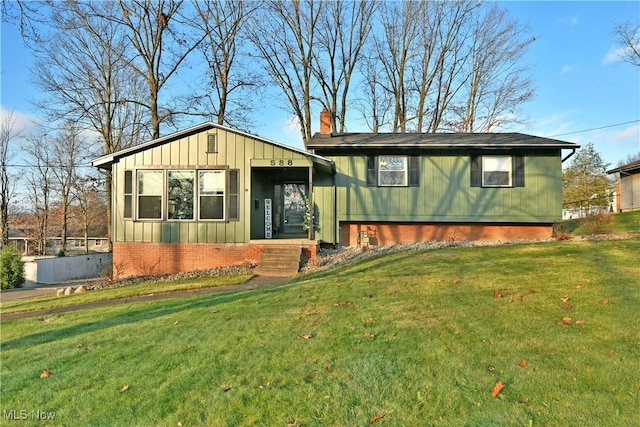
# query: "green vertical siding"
235,151
445,194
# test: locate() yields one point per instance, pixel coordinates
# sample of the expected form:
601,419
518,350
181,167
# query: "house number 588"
282,162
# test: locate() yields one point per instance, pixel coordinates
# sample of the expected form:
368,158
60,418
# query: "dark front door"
294,208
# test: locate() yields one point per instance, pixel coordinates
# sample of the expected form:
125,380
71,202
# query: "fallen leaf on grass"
568,307
523,363
175,323
228,318
455,281
227,388
376,418
124,388
532,291
369,335
580,287
306,336
79,345
343,304
497,294
565,298
566,320
497,389
213,311
605,301
45,374
580,322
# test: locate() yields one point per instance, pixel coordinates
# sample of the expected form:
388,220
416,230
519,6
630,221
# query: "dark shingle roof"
632,167
435,140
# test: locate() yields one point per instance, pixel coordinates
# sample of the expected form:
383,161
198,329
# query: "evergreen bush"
11,268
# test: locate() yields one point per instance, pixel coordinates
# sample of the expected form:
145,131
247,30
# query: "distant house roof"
628,169
107,160
435,141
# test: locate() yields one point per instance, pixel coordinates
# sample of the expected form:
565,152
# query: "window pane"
150,207
496,171
150,182
211,207
496,178
150,194
128,184
212,182
127,206
181,194
392,170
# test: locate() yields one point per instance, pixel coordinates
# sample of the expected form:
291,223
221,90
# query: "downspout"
573,151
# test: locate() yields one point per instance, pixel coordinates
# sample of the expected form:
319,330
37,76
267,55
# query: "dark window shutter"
414,171
128,193
476,172
518,171
372,171
234,192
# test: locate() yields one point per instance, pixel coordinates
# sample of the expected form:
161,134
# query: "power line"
601,127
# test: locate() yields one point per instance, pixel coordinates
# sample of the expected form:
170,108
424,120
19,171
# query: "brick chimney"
325,122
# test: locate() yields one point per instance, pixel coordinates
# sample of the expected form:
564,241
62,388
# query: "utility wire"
589,130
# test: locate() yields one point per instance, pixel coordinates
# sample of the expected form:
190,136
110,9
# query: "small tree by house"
585,184
11,268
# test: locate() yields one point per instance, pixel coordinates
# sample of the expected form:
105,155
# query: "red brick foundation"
145,258
401,233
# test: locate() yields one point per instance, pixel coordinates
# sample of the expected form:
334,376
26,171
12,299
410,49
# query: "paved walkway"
31,290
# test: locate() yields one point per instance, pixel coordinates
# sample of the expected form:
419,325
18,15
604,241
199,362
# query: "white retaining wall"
59,269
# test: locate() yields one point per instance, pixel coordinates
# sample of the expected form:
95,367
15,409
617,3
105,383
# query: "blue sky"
579,82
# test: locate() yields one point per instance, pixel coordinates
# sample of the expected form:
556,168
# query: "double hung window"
393,171
497,171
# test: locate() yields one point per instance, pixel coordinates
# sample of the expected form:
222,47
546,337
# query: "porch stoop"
279,260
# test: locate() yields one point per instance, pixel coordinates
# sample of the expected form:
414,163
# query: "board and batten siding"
234,151
630,192
445,195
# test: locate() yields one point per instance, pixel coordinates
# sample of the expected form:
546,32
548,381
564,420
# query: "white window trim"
225,175
162,195
405,182
507,166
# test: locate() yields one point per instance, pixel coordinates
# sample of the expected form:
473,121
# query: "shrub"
597,224
61,253
11,268
560,232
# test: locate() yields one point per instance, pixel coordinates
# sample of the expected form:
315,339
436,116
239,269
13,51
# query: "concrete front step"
279,261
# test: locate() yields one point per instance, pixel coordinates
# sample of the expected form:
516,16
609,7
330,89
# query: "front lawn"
413,338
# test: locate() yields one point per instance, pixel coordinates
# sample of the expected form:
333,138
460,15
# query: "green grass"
620,223
48,302
419,338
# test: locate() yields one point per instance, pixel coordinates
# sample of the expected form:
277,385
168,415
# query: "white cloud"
567,69
617,54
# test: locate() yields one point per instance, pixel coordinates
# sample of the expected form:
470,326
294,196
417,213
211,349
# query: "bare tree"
284,35
628,37
7,184
225,49
39,184
396,49
85,191
161,40
66,154
343,30
83,79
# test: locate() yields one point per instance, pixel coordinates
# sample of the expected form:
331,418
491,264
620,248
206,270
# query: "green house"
211,196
